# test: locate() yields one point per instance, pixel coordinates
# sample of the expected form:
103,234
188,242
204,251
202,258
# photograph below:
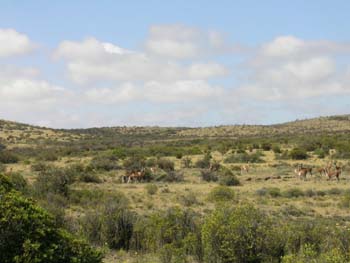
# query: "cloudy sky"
69,64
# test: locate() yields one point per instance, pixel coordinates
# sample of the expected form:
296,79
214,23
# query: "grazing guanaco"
245,168
335,173
136,176
302,172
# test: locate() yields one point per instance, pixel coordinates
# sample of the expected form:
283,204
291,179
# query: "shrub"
189,199
118,225
274,191
204,163
174,229
178,155
8,157
151,189
5,184
2,168
240,234
261,192
165,164
221,193
173,176
310,193
151,162
293,192
276,149
134,163
298,154
266,146
321,153
186,162
90,178
28,234
18,182
335,191
209,176
345,200
104,163
48,155
228,178
92,227
39,166
53,180
2,147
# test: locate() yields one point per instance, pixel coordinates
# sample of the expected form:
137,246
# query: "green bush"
172,230
151,189
266,146
29,234
209,176
104,163
276,149
39,167
221,193
228,178
18,182
240,234
118,224
293,192
188,199
2,168
173,176
166,164
92,227
298,154
90,178
186,162
204,163
321,153
8,157
134,163
53,180
271,191
345,200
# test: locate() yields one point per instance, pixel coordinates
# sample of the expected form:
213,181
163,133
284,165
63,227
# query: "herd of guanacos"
331,170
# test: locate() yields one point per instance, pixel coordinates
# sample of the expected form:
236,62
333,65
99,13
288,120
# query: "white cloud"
208,70
291,47
92,60
13,43
288,68
158,92
183,42
283,46
27,91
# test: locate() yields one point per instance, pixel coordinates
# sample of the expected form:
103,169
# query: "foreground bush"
29,234
241,234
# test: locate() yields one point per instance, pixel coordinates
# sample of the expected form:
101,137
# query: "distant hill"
18,133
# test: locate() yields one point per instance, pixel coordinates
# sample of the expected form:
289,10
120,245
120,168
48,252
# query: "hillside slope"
17,133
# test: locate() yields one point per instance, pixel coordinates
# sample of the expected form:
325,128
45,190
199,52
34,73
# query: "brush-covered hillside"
17,133
267,193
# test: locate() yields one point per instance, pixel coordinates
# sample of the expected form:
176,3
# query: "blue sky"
189,63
